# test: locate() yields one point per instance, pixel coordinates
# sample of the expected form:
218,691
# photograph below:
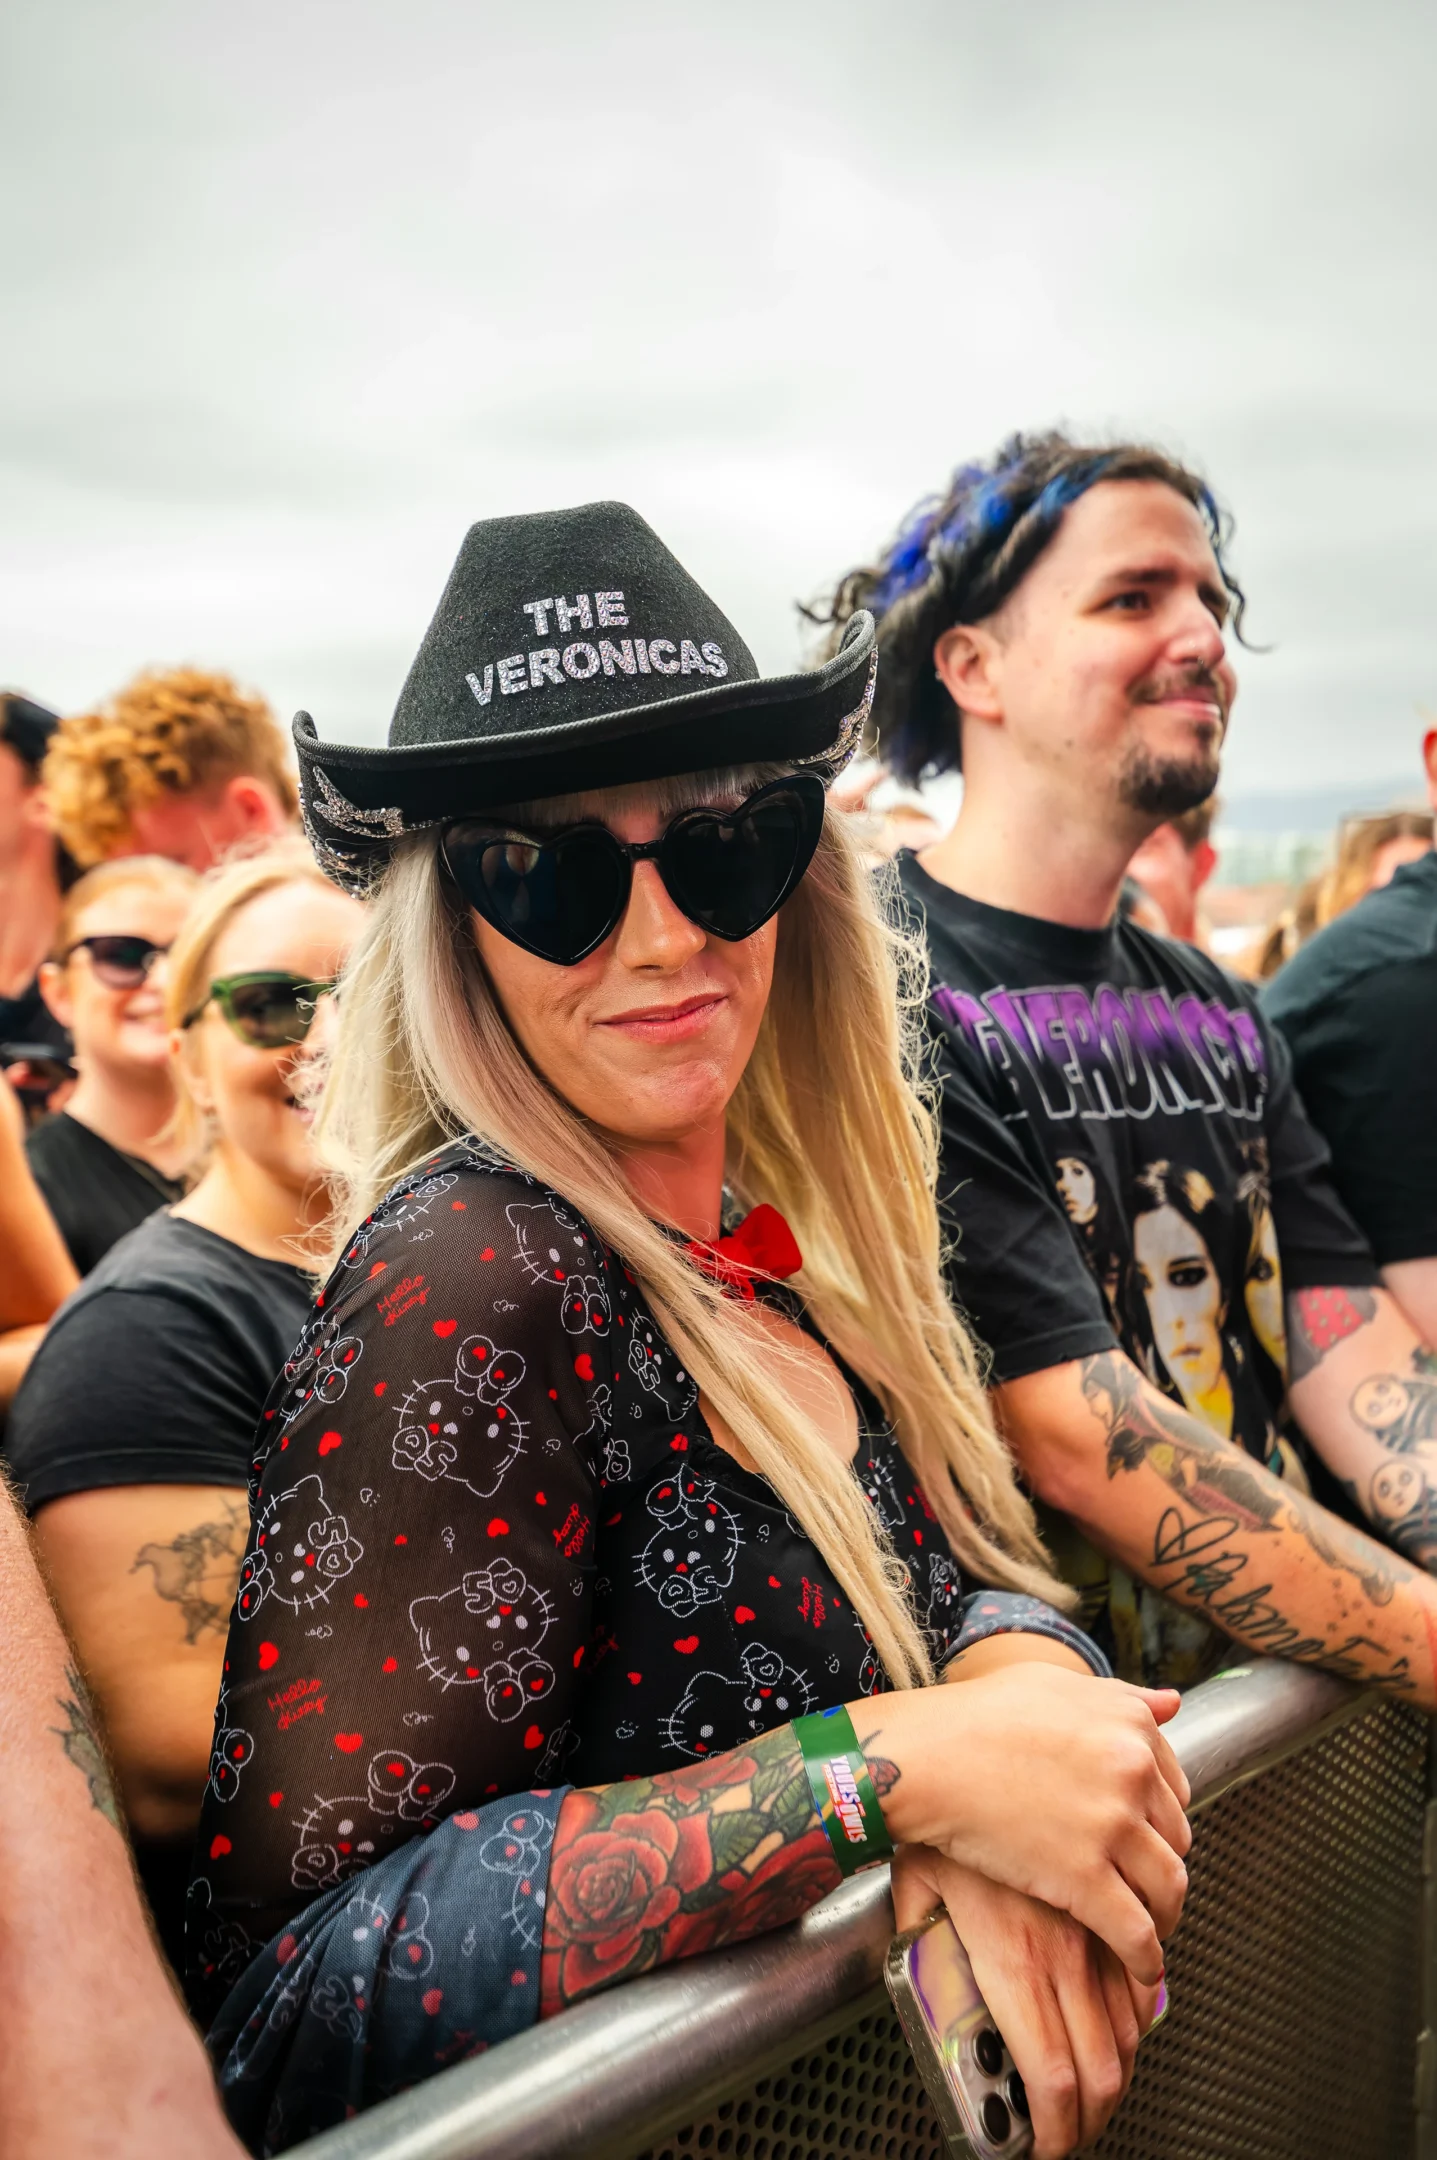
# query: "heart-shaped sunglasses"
561,894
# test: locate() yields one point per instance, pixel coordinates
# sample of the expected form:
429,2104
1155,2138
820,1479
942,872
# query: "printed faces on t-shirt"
1146,1105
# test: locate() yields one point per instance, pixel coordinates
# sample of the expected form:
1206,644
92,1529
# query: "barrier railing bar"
614,2072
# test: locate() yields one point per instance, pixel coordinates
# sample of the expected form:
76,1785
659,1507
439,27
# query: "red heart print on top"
219,1846
268,1656
349,1741
686,1645
433,1997
328,1442
445,1328
584,1365
743,1614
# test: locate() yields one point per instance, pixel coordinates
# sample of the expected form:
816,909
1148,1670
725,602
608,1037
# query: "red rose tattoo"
663,1868
614,1888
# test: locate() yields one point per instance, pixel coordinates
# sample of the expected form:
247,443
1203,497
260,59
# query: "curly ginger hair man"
182,762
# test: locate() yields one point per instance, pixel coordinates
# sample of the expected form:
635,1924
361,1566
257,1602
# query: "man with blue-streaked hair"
1184,1321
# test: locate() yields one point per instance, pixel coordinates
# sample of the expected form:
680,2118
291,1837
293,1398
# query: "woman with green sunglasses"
133,1431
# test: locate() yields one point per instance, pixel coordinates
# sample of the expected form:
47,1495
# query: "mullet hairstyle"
959,556
829,1124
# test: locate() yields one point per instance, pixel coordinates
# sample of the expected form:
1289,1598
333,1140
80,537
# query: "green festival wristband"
842,1789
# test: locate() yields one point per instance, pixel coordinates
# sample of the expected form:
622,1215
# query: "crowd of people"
526,1292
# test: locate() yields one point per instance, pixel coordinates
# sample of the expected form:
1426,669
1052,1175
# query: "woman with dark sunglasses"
583,1476
132,1433
108,1159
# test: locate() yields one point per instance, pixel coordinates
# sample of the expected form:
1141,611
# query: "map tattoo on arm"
661,1868
198,1570
79,1736
1213,1562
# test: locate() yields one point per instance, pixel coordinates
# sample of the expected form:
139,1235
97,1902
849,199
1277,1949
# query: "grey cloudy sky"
294,292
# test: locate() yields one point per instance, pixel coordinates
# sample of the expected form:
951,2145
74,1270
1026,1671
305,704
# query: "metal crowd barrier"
1303,1981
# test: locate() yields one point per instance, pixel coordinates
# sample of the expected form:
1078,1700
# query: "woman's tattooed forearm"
660,1868
79,1736
198,1569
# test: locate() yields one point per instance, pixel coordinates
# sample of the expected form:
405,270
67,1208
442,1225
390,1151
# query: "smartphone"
976,2092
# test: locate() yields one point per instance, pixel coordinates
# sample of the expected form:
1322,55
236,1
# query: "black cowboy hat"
570,651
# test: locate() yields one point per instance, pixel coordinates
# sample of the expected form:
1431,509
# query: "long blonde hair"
829,1124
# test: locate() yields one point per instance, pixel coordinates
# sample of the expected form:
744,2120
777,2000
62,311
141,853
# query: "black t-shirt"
155,1371
1358,1007
27,1020
1124,1157
493,1542
96,1194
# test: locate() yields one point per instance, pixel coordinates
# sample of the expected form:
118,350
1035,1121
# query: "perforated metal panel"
1294,1980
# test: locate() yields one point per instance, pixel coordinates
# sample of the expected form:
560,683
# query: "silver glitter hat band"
352,845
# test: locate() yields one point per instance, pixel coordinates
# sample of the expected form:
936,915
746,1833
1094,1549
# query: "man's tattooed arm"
1259,1558
661,1868
198,1569
1319,1319
1364,1387
79,1736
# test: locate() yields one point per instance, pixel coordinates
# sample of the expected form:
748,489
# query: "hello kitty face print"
230,1750
659,1373
406,1219
464,1428
301,1550
319,1370
486,1633
688,1562
339,1836
767,1692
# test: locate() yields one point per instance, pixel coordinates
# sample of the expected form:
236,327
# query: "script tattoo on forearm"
79,1736
1318,1320
661,1868
1212,1563
198,1570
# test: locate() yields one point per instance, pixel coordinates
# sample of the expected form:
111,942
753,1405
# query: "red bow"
762,1245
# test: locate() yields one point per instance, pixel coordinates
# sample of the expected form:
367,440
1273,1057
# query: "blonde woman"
111,1157
133,1432
565,1483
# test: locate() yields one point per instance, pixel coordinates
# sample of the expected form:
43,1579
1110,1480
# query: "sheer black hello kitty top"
493,1545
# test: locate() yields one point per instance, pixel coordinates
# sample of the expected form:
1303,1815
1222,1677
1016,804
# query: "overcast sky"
292,293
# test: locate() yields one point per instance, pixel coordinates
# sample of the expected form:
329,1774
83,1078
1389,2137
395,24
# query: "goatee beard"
1164,788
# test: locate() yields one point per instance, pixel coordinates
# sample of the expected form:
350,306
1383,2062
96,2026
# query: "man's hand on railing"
1071,2014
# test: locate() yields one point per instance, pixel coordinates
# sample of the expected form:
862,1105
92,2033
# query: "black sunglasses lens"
558,898
729,874
271,1016
122,962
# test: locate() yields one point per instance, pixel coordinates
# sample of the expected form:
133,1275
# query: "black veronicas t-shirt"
493,1543
1124,1157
